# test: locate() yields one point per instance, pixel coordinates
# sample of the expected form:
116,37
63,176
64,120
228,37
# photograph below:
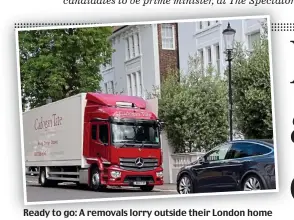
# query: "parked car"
237,165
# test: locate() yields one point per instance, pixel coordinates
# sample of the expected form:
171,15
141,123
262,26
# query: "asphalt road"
69,191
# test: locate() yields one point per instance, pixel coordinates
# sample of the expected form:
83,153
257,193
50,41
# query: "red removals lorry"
94,139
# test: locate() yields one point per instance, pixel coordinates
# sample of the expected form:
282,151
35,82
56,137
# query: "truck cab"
121,142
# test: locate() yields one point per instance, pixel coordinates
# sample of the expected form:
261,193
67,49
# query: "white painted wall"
192,39
146,60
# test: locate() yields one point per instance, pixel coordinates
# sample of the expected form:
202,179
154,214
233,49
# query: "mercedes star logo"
139,162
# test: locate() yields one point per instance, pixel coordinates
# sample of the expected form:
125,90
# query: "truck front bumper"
120,177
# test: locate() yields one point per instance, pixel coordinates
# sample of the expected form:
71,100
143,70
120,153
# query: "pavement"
69,191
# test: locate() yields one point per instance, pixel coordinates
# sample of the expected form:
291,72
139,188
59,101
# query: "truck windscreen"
135,133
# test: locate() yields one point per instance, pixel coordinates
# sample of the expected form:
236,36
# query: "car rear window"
241,150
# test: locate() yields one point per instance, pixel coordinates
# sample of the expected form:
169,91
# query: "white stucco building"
143,53
136,66
205,39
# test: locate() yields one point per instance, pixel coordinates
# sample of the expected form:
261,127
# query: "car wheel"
147,188
251,183
185,185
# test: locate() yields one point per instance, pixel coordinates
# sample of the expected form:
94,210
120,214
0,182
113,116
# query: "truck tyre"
95,184
147,188
43,179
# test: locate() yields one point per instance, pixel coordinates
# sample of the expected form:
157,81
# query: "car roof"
268,142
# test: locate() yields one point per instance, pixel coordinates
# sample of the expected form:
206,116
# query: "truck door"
99,139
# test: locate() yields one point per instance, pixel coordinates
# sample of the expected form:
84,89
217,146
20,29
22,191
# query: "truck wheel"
95,180
45,182
43,179
147,188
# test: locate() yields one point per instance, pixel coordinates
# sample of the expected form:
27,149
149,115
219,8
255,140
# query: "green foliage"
194,108
59,63
252,90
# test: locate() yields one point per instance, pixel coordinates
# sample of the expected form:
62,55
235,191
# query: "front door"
99,139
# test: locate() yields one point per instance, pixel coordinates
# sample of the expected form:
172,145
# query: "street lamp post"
229,37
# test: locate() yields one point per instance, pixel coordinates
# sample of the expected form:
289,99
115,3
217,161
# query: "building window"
200,25
140,92
252,39
105,88
167,36
201,57
217,57
209,60
134,79
128,55
129,82
216,21
133,46
110,61
208,23
112,87
138,43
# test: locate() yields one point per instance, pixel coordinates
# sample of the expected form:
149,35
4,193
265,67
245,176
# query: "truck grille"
138,164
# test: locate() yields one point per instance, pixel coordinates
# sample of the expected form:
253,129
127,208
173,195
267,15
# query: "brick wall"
167,58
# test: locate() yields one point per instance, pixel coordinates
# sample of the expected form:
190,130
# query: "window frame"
217,57
96,132
99,125
216,148
112,86
163,26
231,145
140,86
250,44
106,87
209,56
200,25
128,48
129,83
138,46
251,143
201,57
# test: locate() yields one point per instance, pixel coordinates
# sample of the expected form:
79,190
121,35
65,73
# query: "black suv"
238,165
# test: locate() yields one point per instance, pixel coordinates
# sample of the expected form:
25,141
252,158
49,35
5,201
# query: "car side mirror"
203,160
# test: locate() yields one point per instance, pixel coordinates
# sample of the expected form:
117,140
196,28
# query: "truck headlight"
159,174
115,174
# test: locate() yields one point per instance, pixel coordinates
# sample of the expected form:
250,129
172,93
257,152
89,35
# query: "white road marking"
166,190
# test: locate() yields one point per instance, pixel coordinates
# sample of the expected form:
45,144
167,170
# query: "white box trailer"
53,133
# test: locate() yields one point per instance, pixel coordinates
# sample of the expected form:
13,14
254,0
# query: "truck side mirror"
100,142
160,125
